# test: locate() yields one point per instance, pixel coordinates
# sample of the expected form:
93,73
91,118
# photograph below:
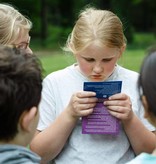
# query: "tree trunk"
44,23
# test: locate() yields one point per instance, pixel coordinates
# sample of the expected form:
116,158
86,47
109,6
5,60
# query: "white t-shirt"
88,148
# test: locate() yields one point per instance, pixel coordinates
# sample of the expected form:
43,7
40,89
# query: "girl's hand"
82,103
119,105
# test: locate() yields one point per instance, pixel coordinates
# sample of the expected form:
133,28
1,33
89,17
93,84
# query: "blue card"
101,121
103,89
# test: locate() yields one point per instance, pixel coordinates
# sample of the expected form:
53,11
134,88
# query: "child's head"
14,27
96,26
20,93
97,41
147,85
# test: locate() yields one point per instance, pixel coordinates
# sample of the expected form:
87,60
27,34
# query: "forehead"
94,51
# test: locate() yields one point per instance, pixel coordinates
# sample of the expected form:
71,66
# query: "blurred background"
53,20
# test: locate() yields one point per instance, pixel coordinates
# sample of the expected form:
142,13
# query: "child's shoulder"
127,71
60,72
60,76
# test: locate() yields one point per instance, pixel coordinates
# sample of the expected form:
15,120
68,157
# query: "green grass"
132,59
53,61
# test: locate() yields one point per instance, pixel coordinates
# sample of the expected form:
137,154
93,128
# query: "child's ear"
27,118
122,49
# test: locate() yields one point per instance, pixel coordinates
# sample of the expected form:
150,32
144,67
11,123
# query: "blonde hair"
94,25
12,22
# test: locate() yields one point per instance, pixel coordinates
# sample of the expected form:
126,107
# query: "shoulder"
60,74
127,74
11,152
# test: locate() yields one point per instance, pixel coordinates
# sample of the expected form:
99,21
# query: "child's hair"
12,22
20,88
95,25
147,79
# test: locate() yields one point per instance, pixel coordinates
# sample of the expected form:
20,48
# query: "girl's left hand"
119,105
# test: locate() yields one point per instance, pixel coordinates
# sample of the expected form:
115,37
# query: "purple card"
101,121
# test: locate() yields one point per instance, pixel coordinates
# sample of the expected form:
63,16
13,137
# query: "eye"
107,60
89,59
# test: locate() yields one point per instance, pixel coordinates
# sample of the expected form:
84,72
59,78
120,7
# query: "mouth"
96,77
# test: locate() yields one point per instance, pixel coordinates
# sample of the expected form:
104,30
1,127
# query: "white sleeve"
47,105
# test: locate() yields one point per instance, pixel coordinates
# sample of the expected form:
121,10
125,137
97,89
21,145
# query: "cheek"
85,67
109,67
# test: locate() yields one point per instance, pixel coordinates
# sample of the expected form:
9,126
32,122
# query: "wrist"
69,114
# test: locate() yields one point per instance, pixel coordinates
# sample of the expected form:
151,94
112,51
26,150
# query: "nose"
29,50
98,68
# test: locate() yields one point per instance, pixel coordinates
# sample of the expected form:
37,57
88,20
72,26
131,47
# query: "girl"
15,27
97,42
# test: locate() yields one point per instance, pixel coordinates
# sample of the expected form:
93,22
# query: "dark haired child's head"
20,93
147,85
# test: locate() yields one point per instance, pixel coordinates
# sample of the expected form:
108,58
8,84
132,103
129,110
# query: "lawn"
53,61
132,59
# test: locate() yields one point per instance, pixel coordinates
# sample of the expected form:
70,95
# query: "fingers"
84,97
119,96
119,99
83,94
82,103
120,106
120,112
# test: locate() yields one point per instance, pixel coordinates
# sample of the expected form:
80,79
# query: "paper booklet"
101,121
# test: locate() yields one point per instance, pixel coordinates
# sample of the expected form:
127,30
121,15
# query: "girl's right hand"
81,104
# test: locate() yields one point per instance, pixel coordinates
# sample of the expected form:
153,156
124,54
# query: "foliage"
122,8
53,21
57,34
142,41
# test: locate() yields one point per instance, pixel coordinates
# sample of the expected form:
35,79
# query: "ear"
122,49
145,104
27,119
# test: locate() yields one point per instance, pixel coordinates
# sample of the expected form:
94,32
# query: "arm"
141,139
49,143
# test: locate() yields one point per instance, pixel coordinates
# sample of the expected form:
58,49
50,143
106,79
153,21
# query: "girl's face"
97,63
23,41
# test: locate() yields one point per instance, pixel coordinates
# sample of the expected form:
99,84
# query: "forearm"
50,142
141,139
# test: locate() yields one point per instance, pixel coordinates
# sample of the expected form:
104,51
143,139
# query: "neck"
17,140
